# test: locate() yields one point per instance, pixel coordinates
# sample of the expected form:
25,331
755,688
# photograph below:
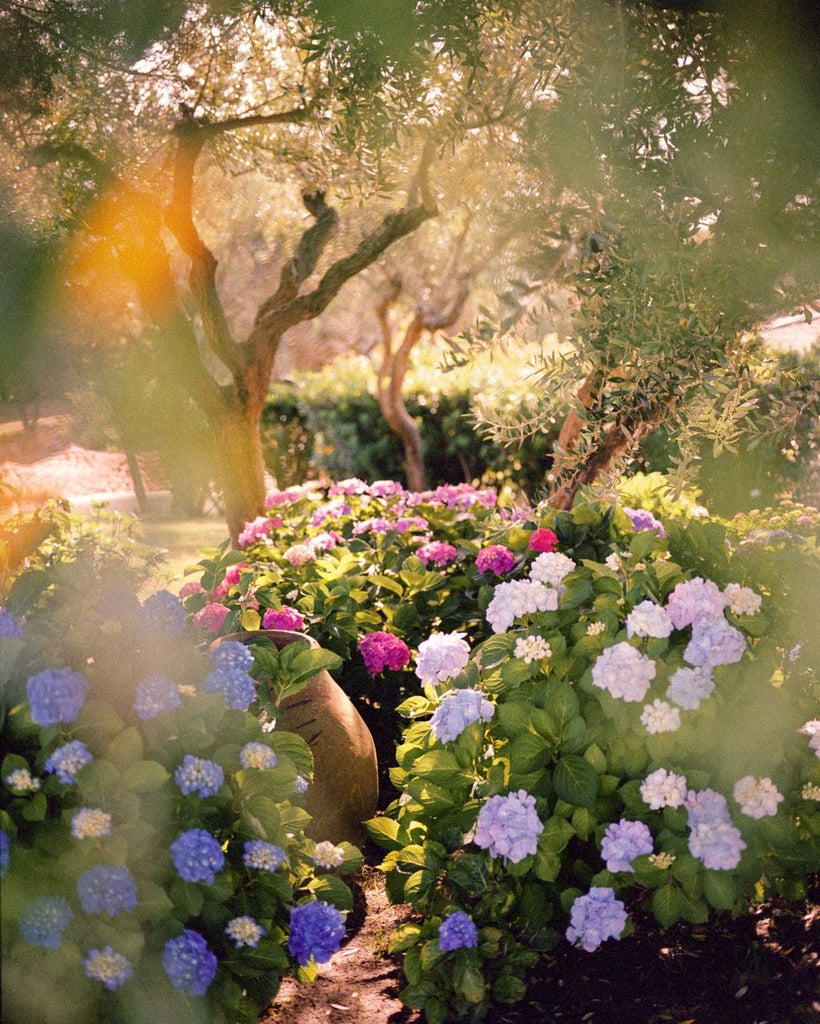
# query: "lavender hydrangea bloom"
231,654
197,856
689,686
10,628
648,619
316,931
595,917
644,520
163,612
623,671
199,775
515,598
705,805
107,966
44,920
508,826
694,600
458,710
189,964
155,694
104,890
718,844
457,931
714,642
441,656
624,841
67,760
56,695
263,856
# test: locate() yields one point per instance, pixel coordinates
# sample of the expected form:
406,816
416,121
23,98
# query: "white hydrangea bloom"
515,598
663,789
532,648
551,567
659,716
758,798
742,600
648,619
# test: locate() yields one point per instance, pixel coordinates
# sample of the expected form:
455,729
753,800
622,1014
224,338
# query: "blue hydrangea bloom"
104,890
235,683
189,964
508,826
624,841
197,856
199,775
244,931
262,855
705,805
107,966
596,917
163,612
44,920
457,931
714,642
56,695
257,755
155,694
231,654
10,628
458,710
718,844
67,760
316,930
5,852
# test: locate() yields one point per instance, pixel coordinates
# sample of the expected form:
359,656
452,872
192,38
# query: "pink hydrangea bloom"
299,554
496,558
283,618
260,527
211,617
383,650
190,589
230,579
438,552
543,540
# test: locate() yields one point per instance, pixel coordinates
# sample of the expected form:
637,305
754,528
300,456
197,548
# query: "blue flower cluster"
104,890
67,760
56,695
44,920
459,709
107,966
155,694
199,775
189,964
316,931
163,612
457,931
231,654
713,839
197,856
5,852
596,917
231,660
264,856
10,628
508,826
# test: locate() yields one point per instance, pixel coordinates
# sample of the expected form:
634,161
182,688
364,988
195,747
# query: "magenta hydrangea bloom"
496,558
383,650
211,617
283,618
438,552
543,540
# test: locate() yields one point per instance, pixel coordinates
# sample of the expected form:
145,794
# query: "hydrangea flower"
438,552
67,760
495,558
10,628
457,931
257,755
623,841
105,890
648,619
328,856
237,686
22,781
197,856
5,852
56,695
107,966
812,730
758,798
244,931
300,785
316,931
542,540
596,917
260,527
189,964
163,612
515,598
382,650
90,823
714,642
154,695
718,844
660,716
508,826
190,589
689,686
199,775
551,567
231,654
262,855
283,618
299,554
694,600
458,709
705,805
644,520
43,921
663,789
532,648
741,600
441,656
211,617
623,671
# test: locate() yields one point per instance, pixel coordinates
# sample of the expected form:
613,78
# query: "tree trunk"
240,468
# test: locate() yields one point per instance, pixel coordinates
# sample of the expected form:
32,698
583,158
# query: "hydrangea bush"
152,829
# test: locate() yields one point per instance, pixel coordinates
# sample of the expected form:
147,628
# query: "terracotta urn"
344,791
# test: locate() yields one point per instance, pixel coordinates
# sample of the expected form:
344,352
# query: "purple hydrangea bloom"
231,654
44,920
689,686
107,966
718,844
496,558
316,930
155,694
382,650
189,964
458,710
643,520
67,760
508,826
56,695
163,612
596,917
624,841
705,805
197,856
623,671
694,600
714,642
457,931
263,856
104,890
199,775
10,628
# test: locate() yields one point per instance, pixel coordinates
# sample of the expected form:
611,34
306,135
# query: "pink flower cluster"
211,617
283,618
260,527
438,552
543,540
496,558
383,650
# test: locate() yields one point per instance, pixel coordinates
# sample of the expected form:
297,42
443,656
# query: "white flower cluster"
515,598
660,716
442,656
551,567
757,797
532,648
648,619
663,789
623,671
328,856
741,600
